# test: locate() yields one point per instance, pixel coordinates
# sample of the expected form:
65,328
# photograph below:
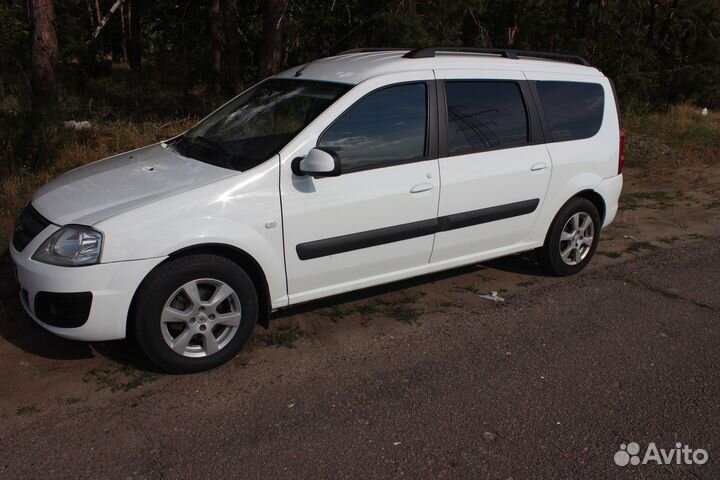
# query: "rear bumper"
610,189
88,303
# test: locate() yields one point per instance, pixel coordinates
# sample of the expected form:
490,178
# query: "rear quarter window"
574,110
484,115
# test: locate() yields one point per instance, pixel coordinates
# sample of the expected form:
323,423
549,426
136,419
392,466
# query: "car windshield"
258,123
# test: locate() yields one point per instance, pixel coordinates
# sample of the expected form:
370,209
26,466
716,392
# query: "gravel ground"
548,384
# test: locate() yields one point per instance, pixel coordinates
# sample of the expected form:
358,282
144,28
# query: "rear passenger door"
494,167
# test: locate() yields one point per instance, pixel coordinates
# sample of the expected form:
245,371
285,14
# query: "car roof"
353,68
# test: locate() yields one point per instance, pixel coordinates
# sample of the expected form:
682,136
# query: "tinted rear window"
485,116
574,110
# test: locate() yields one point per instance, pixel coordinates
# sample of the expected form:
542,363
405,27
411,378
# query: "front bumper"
112,286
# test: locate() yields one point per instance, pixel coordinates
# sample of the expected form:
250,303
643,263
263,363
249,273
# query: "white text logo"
629,454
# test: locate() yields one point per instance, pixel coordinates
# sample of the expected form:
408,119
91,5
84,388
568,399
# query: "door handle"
421,187
538,166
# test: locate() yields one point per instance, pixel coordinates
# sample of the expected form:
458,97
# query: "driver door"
374,222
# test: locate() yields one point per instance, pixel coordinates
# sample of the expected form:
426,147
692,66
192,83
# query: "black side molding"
370,238
406,231
486,215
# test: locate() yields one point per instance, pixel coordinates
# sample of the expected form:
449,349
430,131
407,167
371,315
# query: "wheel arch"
235,254
588,194
596,199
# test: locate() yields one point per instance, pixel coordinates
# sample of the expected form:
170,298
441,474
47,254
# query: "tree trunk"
272,42
216,37
124,33
232,66
134,46
668,22
91,14
44,52
105,19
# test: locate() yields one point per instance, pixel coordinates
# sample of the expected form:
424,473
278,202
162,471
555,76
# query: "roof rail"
372,49
428,52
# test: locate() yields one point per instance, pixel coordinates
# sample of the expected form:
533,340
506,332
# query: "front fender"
242,211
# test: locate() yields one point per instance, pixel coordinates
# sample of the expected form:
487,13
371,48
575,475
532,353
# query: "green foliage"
119,379
13,32
27,411
284,336
14,58
657,52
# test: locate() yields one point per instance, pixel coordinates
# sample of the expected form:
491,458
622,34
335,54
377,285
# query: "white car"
350,171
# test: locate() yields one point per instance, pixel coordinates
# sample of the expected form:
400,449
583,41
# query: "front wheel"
572,238
194,313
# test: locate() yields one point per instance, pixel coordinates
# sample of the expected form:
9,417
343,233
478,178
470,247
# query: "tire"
564,234
194,313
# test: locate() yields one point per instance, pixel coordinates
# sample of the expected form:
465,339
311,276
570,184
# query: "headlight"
72,245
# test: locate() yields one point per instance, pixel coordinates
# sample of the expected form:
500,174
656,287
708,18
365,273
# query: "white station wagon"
356,170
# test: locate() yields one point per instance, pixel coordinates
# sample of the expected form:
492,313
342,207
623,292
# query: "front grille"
27,227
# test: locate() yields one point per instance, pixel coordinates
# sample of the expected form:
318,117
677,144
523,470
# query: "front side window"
386,127
485,116
574,110
259,123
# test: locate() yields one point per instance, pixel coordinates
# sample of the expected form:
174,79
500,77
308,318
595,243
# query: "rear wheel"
195,313
572,238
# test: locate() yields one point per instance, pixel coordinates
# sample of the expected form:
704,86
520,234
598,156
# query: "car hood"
100,190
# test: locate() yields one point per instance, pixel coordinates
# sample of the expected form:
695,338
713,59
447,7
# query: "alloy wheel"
576,238
201,318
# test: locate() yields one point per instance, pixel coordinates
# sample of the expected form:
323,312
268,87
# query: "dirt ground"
669,205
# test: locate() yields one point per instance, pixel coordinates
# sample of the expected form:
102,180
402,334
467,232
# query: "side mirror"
318,163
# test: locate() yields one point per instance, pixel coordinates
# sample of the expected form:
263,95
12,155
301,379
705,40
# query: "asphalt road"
546,385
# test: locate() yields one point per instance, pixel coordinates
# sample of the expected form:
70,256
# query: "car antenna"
300,70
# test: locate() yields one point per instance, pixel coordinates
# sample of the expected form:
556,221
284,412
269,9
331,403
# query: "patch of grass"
668,240
698,134
368,309
469,288
67,149
27,411
119,379
404,314
449,304
668,293
399,308
336,314
653,199
405,299
698,236
713,204
611,254
285,336
72,400
634,158
528,283
678,133
637,247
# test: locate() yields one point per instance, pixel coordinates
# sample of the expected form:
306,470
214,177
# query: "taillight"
621,157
